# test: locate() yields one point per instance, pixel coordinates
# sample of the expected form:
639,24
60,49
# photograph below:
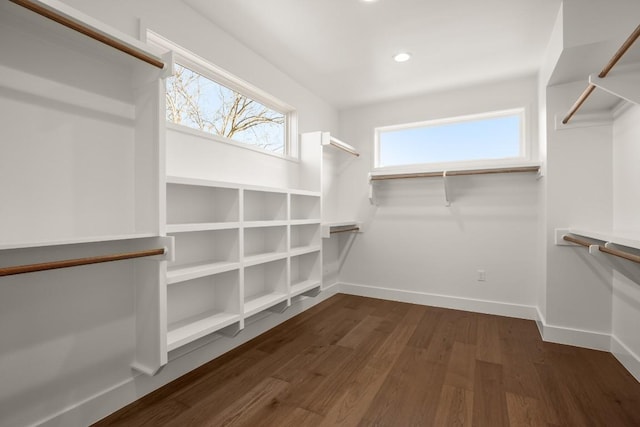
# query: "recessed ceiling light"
402,57
368,1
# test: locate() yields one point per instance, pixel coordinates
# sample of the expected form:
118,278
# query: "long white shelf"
205,226
263,301
188,330
629,239
263,258
191,271
78,241
304,286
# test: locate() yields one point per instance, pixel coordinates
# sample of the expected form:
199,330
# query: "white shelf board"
191,271
263,301
301,250
205,226
304,286
305,193
259,224
76,241
263,258
630,239
312,221
188,330
200,182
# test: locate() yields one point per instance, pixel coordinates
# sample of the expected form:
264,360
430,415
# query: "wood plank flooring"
353,361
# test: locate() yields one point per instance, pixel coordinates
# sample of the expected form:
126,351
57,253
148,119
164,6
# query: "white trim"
525,144
628,358
572,336
444,301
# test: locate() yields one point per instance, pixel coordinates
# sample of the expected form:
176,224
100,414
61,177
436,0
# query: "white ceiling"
342,49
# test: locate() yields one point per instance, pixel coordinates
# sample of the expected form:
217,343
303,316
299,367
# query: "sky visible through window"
489,138
198,102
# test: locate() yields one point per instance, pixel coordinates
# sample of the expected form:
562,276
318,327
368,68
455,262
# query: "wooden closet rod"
30,268
619,253
576,240
344,230
455,173
614,60
610,251
90,32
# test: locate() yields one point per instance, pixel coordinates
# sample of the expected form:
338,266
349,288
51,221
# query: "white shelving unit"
240,250
84,136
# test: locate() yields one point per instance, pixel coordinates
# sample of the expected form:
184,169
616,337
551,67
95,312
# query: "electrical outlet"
482,276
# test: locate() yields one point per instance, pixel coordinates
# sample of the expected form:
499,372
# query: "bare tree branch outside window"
200,103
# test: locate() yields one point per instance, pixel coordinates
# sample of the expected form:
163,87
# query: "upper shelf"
84,24
629,239
376,176
624,85
327,139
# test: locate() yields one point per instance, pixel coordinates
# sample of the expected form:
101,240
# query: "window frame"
525,157
220,76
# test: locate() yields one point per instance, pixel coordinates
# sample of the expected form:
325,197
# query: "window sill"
215,138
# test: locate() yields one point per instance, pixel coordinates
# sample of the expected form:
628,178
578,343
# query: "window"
200,103
207,98
491,138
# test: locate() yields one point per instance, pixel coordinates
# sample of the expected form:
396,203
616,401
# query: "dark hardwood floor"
361,361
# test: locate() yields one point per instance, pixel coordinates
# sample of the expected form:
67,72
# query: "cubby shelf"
198,269
238,247
198,326
304,286
262,301
304,250
260,224
264,258
185,228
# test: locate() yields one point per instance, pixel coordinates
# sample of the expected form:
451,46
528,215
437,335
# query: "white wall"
413,243
579,194
79,362
626,208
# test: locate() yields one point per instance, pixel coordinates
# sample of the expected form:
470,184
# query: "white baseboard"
576,337
119,395
628,358
445,301
572,336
